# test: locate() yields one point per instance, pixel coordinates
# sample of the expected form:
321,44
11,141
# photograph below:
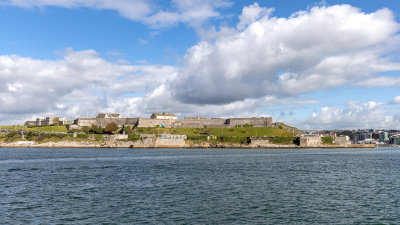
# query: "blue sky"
311,64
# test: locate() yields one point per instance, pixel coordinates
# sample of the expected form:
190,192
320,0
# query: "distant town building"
163,116
362,137
108,115
383,137
395,140
49,121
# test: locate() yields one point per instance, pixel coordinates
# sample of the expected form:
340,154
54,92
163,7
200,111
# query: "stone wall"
200,123
104,121
144,122
255,143
341,140
169,143
310,141
176,123
255,122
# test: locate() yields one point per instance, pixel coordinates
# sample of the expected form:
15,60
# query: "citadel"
157,119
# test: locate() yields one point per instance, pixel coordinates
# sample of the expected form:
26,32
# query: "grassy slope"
236,131
44,128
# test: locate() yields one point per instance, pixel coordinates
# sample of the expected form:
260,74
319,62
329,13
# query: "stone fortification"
202,122
255,122
310,141
144,122
176,123
104,121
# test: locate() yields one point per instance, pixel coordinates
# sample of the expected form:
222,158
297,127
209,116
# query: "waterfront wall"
342,141
310,141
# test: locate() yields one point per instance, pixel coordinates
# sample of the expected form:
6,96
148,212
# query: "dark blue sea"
199,186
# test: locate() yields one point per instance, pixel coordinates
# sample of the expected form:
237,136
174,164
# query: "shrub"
85,129
110,128
133,137
98,137
74,130
127,129
206,132
327,140
12,134
197,138
84,136
283,140
31,135
94,129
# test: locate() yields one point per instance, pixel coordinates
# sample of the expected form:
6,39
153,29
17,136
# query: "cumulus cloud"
355,115
133,9
193,12
80,78
309,51
396,100
261,62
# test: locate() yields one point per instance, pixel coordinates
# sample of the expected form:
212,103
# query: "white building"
163,116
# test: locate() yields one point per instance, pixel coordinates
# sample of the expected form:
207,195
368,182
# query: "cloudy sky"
330,64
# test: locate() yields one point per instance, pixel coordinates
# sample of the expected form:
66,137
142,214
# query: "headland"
163,130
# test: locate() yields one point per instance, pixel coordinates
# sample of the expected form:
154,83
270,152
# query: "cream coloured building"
163,116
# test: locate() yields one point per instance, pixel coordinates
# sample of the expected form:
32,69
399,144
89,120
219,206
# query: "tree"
96,129
110,128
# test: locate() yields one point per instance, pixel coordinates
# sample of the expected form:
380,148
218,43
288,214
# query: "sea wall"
310,141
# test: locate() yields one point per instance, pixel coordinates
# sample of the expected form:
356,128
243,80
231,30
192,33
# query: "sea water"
199,186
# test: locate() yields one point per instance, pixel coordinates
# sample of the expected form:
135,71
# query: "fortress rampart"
202,122
104,121
176,123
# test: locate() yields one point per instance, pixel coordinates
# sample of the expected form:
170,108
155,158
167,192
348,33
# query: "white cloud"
142,41
355,115
251,14
193,12
396,100
309,51
80,79
132,9
262,62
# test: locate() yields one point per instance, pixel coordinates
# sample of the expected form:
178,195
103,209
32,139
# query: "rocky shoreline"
140,144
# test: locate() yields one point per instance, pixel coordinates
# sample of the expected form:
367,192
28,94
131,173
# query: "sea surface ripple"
199,186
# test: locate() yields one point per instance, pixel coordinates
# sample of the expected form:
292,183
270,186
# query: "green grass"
282,124
49,128
53,137
42,128
11,127
226,131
